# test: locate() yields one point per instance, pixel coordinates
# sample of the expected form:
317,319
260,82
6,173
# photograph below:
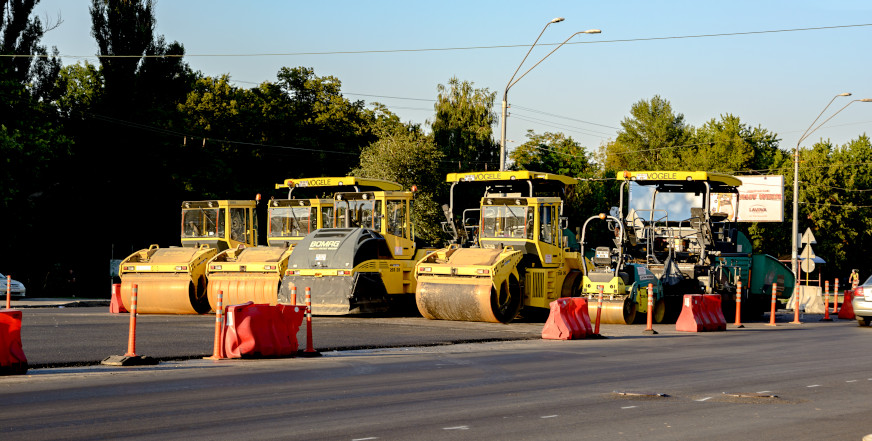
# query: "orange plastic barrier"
259,330
568,320
847,311
690,319
716,311
12,359
115,305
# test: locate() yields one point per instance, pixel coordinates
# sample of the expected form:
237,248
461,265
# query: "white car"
17,288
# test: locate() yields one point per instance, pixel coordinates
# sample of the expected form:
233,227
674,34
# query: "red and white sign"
761,199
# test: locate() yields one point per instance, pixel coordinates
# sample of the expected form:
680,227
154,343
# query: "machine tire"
507,302
863,321
659,311
197,294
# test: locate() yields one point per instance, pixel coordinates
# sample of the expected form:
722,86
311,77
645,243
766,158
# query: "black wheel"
198,297
507,301
863,321
659,311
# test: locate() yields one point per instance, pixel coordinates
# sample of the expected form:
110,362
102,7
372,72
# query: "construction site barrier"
568,320
261,330
847,311
713,304
116,306
12,359
698,315
811,300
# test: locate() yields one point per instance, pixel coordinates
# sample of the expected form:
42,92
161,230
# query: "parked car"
862,302
17,288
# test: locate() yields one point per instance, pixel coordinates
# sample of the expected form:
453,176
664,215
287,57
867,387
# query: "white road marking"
814,385
851,381
548,416
704,399
364,439
764,391
456,428
629,407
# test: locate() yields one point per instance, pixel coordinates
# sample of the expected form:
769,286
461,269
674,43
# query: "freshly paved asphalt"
83,332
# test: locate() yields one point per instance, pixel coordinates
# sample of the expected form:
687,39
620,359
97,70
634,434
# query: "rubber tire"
506,305
863,321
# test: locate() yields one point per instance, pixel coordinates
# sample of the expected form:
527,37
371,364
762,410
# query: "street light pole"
513,81
795,231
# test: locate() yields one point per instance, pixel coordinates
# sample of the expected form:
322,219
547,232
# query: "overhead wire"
445,49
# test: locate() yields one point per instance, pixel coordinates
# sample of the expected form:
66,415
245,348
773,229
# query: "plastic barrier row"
12,359
701,312
259,330
568,320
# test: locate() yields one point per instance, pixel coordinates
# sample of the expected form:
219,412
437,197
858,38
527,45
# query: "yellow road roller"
518,256
364,263
623,286
173,280
247,273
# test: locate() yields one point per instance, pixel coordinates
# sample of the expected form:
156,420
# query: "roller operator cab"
681,226
517,257
364,263
173,280
254,274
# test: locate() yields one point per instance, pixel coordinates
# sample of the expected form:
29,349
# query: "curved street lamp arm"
864,100
556,20
808,131
589,31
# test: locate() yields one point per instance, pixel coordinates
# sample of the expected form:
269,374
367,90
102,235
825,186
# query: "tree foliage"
404,154
463,126
169,134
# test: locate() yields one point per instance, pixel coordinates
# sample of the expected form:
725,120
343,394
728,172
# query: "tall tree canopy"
404,154
648,138
463,126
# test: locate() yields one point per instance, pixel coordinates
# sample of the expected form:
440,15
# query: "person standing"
854,279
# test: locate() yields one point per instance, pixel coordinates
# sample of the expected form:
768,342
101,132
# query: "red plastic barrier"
847,311
115,305
561,324
713,302
690,319
568,320
12,359
257,330
582,316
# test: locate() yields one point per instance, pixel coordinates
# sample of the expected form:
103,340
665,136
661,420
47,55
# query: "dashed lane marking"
704,399
814,385
629,407
456,428
548,416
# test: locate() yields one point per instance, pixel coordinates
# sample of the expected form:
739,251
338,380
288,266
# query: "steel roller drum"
614,312
239,288
456,301
159,293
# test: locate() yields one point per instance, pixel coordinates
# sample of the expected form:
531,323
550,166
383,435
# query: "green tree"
463,127
325,127
33,148
648,138
727,145
404,154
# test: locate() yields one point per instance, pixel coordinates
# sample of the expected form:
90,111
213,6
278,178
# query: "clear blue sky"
778,80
